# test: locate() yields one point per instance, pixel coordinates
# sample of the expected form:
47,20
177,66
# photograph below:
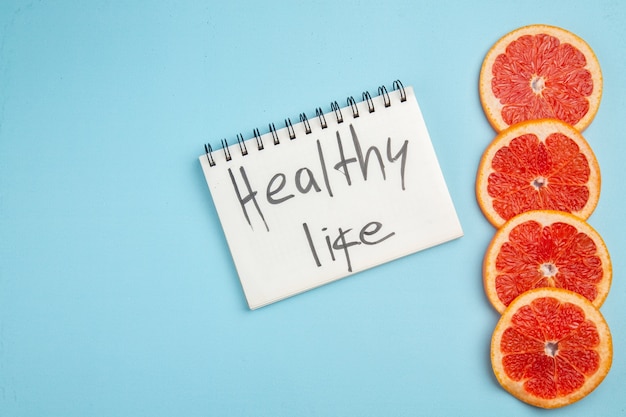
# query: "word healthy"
305,180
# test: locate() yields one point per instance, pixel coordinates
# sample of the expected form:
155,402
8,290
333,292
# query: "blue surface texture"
118,295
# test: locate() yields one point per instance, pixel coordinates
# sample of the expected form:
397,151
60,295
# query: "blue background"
118,296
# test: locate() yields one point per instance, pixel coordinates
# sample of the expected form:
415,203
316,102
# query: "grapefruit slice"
551,347
538,72
546,249
534,165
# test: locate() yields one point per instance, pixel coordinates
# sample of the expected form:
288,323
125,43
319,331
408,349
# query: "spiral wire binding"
226,150
274,134
320,114
397,85
334,107
305,121
259,141
242,144
208,151
382,91
368,99
289,126
353,106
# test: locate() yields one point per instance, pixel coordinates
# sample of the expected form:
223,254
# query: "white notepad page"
332,202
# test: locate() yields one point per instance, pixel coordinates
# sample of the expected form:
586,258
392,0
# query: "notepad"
334,194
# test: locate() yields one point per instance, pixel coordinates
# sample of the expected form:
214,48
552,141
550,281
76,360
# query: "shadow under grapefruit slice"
551,347
538,72
534,165
546,249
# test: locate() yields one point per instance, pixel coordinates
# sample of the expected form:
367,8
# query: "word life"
370,235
